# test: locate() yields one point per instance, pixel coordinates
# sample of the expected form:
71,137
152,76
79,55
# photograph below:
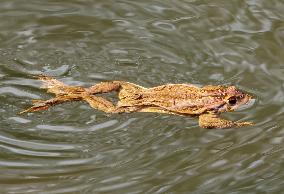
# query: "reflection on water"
72,148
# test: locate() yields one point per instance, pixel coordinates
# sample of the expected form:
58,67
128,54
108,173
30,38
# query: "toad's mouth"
248,104
222,108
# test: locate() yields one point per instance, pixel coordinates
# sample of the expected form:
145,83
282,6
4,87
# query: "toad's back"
181,98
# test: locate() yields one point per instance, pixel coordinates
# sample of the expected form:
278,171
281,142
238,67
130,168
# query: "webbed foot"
39,105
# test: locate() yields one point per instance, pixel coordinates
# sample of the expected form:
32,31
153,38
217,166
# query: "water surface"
75,149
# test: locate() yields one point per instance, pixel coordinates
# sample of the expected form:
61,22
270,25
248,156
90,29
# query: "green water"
75,149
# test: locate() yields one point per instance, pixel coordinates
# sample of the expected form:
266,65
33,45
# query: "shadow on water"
72,148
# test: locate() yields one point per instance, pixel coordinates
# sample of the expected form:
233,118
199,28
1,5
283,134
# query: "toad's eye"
232,101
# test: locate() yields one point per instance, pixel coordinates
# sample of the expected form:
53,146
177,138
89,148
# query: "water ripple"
35,145
75,149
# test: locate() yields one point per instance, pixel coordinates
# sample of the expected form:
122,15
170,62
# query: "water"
75,149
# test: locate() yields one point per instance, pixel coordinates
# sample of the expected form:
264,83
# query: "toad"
206,103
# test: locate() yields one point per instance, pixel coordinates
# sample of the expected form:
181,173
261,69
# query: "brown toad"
179,99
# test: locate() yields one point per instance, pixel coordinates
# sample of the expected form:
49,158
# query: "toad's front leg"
214,121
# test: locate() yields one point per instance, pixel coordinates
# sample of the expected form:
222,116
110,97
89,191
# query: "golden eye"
232,101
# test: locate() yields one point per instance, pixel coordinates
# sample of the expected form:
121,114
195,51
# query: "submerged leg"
49,82
214,121
58,88
157,110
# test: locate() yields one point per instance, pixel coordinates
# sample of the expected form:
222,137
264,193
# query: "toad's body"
180,99
172,98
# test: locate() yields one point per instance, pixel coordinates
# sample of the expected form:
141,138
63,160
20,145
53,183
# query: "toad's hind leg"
105,87
63,93
58,88
102,104
214,121
45,104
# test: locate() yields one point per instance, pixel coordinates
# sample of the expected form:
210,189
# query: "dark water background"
75,149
